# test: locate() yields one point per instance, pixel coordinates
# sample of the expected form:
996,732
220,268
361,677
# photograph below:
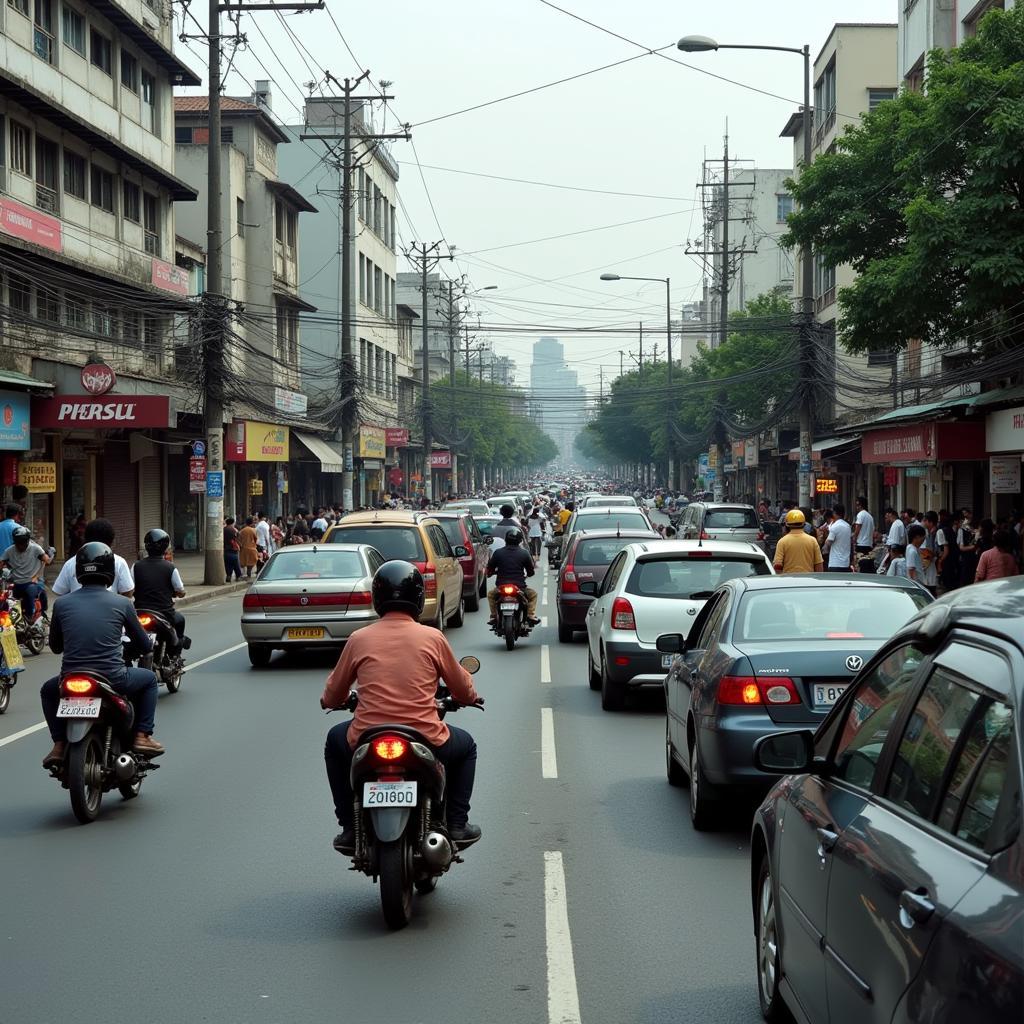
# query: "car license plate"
305,633
826,694
79,707
667,659
389,794
9,645
509,607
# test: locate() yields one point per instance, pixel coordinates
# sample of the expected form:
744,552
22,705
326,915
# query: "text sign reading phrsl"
108,413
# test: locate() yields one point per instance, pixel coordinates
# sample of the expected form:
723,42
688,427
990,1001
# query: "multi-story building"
410,292
87,273
557,399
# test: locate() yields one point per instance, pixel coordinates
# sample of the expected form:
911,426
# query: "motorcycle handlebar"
445,703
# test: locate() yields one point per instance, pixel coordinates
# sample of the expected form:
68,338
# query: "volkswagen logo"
305,600
854,662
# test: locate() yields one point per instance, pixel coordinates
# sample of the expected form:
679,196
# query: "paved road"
220,889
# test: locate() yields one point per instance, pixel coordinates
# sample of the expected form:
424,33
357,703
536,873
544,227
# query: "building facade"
557,400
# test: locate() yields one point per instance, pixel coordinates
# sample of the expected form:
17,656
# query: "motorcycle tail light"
508,589
79,686
390,748
147,621
622,614
5,619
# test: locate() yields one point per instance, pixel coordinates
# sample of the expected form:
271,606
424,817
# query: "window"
21,148
824,282
21,6
783,207
102,189
227,133
19,294
152,330
48,305
689,578
362,279
394,233
74,29
74,174
129,71
914,78
825,101
240,217
376,211
369,283
868,719
394,378
103,321
292,225
378,290
974,18
100,51
149,108
47,175
361,195
151,223
76,315
43,40
279,220
182,136
131,332
131,201
876,96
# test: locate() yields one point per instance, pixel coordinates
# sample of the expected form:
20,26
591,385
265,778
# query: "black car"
888,875
764,652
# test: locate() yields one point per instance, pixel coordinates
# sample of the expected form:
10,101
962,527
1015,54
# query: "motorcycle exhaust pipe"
125,767
437,851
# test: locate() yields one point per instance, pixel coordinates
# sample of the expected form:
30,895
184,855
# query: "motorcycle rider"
512,564
158,583
86,628
26,560
397,662
103,531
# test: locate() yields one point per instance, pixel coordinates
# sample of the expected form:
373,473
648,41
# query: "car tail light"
360,599
622,615
700,553
570,585
147,621
251,601
389,748
746,690
79,686
429,572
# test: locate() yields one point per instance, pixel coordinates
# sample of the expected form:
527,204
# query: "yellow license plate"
9,645
305,633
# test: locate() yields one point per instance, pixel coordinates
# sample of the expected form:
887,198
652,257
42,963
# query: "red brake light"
570,585
360,598
429,572
622,614
700,553
509,589
746,690
251,601
79,686
146,621
389,748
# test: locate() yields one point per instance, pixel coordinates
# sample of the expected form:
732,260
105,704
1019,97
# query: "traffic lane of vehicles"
472,548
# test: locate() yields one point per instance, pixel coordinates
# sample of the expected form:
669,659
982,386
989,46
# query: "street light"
667,282
702,44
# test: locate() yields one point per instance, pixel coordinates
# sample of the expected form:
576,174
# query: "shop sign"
891,476
1004,474
254,441
169,278
713,456
255,487
14,421
215,484
38,477
8,470
197,475
30,225
372,443
440,460
115,414
751,452
98,378
826,485
738,453
1004,430
899,444
290,401
396,437
916,472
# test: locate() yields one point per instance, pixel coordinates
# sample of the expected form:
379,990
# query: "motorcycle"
98,756
401,839
31,635
511,621
169,668
11,661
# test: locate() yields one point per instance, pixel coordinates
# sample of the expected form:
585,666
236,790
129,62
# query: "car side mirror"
671,643
461,551
785,753
589,587
470,663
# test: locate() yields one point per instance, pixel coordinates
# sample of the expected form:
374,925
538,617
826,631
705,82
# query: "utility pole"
806,338
452,329
724,311
621,370
640,363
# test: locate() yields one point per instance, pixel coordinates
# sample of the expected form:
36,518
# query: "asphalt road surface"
216,895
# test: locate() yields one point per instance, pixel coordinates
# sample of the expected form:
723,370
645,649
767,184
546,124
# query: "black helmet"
94,564
513,537
507,511
156,542
20,536
398,587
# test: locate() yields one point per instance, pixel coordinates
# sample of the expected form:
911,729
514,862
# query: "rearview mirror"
461,551
785,753
670,643
470,663
589,587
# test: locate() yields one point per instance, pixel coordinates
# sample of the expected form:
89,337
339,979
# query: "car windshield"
453,531
826,613
690,578
303,563
487,526
600,552
611,520
391,541
730,519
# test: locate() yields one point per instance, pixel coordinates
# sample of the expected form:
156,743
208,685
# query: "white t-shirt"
915,564
66,583
865,529
897,567
840,535
263,534
897,533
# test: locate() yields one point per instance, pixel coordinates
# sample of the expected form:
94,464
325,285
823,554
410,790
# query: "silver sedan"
309,596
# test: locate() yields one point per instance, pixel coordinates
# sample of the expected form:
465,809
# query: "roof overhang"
330,459
13,379
292,195
284,298
836,445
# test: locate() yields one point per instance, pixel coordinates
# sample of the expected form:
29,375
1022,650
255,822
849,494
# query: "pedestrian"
797,551
898,561
915,564
264,544
300,530
999,560
930,553
535,526
949,564
865,540
839,542
13,516
231,549
248,541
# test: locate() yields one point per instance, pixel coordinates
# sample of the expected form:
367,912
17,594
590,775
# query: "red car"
471,548
589,555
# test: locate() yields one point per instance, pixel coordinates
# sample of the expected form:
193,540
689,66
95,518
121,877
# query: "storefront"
371,451
1004,445
314,472
257,478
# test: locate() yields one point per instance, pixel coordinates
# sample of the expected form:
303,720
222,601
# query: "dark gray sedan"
768,652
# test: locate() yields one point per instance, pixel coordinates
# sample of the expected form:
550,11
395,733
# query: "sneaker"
492,620
464,835
55,756
148,746
345,841
534,621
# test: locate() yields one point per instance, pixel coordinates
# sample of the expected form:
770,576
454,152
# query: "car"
721,521
486,525
596,517
496,503
472,549
587,559
887,866
608,501
309,596
768,653
653,588
415,537
477,507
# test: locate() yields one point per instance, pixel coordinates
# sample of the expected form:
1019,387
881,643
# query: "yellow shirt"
563,517
798,552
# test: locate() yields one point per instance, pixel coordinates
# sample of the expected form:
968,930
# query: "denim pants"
137,684
232,565
457,754
28,592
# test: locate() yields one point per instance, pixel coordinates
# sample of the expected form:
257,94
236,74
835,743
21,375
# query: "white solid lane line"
545,664
42,725
548,760
563,997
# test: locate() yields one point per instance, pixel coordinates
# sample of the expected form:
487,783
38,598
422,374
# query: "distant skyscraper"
557,399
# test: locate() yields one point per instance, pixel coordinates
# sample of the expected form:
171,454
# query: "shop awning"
948,406
819,448
331,460
23,380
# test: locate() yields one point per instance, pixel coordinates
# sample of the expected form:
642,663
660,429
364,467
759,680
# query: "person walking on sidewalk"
231,549
247,544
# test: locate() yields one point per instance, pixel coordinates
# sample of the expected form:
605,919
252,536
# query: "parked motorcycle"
401,838
11,661
169,668
31,635
98,756
511,621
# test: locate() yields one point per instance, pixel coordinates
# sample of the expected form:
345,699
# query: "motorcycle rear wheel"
396,884
5,697
85,778
510,632
172,679
35,640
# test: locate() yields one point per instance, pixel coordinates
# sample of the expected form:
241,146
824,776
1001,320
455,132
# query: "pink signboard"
169,278
441,460
111,412
899,444
30,225
396,437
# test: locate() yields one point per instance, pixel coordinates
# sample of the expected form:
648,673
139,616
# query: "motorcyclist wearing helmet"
512,564
158,582
86,629
797,551
26,560
397,662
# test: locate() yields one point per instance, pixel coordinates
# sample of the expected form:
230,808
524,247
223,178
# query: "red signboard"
107,413
395,477
440,460
197,474
914,443
98,378
396,437
169,278
30,225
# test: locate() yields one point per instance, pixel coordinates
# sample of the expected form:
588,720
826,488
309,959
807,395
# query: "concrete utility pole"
452,329
724,311
807,359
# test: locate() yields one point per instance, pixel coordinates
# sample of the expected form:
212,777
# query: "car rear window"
600,552
611,520
486,526
731,519
452,530
391,541
690,578
303,562
826,613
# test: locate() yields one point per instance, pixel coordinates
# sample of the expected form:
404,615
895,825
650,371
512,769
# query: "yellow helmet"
794,517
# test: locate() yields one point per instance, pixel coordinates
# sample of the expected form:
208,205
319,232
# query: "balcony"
151,243
47,199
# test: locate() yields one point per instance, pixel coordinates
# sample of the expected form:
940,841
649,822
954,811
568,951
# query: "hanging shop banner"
899,444
371,443
1004,474
290,401
109,413
712,456
751,452
253,441
38,477
1004,431
14,421
30,225
169,278
440,460
197,475
396,437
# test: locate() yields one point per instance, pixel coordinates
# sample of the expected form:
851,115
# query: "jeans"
137,684
231,565
531,601
457,754
28,592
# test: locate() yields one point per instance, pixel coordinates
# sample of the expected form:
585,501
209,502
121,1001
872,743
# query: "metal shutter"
118,498
151,508
963,485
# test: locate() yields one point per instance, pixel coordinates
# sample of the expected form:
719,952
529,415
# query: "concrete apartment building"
557,400
87,272
410,293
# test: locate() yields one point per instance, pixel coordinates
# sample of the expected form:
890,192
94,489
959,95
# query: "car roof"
325,549
612,510
724,504
810,580
451,513
384,517
724,547
630,531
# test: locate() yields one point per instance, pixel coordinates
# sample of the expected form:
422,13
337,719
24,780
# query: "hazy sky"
643,127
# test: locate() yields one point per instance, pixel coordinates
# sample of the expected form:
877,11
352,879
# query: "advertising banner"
30,225
899,444
371,443
108,413
38,477
169,278
290,401
14,421
440,460
1004,474
396,437
197,475
1004,431
254,441
751,452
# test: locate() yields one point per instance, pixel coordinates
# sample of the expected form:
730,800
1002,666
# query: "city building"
557,401
410,293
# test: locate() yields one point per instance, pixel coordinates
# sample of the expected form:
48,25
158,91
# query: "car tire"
702,807
459,618
439,622
259,655
593,676
564,633
613,694
473,600
482,590
673,769
768,948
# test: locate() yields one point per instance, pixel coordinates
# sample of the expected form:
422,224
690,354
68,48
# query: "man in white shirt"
320,523
839,545
897,528
263,534
101,530
865,541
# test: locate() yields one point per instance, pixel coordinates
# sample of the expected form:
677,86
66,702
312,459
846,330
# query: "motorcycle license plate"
509,607
389,794
79,707
305,633
825,694
9,645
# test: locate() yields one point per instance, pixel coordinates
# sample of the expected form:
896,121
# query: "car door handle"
826,841
915,907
